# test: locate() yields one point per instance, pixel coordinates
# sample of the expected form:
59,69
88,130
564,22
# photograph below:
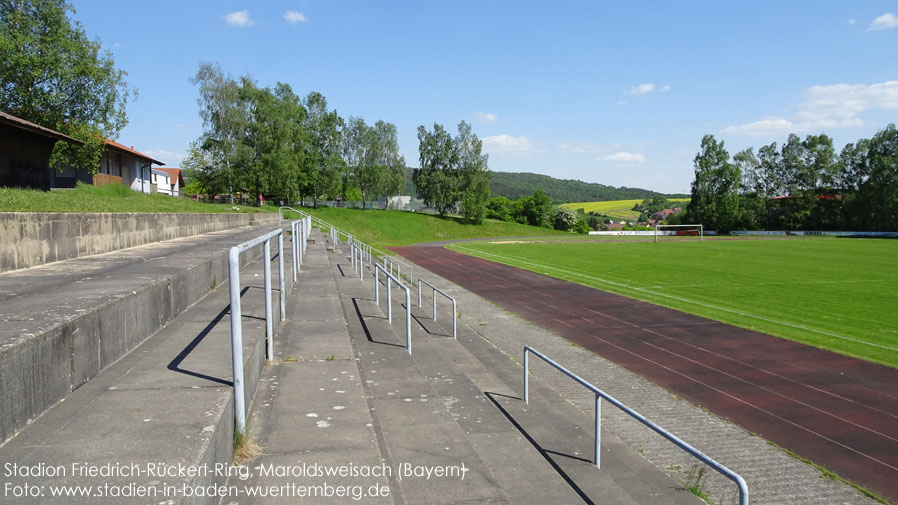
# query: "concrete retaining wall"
28,239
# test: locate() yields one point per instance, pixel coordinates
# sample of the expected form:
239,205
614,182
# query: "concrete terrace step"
312,408
167,403
486,426
60,324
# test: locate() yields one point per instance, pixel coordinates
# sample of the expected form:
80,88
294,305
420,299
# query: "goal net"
679,230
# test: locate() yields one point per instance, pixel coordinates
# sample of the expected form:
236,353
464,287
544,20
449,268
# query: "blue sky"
618,94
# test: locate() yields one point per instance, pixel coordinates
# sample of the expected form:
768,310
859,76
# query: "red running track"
837,411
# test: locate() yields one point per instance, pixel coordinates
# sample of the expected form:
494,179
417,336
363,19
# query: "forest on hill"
515,185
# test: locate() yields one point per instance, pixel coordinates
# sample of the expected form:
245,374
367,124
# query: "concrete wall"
28,239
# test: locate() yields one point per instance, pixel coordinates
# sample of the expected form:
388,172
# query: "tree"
565,219
200,168
437,178
323,159
224,120
880,188
715,198
537,210
473,173
51,74
499,208
390,165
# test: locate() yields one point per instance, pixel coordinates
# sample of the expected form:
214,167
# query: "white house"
133,167
175,181
161,181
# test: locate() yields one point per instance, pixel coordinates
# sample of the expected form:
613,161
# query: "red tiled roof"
174,174
36,128
131,151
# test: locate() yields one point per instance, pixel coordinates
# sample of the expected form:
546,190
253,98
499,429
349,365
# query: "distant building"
25,150
123,165
175,181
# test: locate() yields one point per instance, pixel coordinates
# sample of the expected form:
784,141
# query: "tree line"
800,185
536,210
269,141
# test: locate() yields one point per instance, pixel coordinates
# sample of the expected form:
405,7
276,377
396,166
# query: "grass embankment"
837,294
618,209
110,198
383,228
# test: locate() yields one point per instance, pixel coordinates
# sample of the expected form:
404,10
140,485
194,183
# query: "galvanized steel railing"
236,324
435,291
726,472
408,305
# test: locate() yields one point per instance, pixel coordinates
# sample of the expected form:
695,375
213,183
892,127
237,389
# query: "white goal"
680,230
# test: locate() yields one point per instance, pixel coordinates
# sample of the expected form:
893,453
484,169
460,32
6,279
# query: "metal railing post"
434,296
269,323
377,286
408,321
294,244
236,339
598,441
389,302
282,283
454,320
526,377
419,293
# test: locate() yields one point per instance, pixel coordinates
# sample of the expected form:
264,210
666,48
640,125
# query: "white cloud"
622,103
239,18
852,21
578,148
642,89
294,17
887,20
171,160
830,106
485,117
179,125
624,157
509,146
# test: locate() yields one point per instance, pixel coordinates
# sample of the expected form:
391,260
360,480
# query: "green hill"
514,185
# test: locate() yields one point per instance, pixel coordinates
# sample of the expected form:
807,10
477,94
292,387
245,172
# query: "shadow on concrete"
546,454
175,364
358,311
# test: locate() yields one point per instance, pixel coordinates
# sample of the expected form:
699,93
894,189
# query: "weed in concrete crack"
696,482
331,358
245,447
213,284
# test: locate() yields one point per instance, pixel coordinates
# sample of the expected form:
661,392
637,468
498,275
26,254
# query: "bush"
565,219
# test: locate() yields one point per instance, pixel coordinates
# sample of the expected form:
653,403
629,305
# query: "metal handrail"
236,323
371,251
434,296
408,305
723,470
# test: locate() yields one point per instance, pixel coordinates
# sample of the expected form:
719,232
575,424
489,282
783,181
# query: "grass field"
111,198
621,209
383,228
837,294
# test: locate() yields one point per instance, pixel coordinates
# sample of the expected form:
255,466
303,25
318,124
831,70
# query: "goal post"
698,230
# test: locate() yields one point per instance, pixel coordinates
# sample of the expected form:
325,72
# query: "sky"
615,93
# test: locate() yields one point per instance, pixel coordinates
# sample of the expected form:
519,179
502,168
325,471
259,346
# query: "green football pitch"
834,293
